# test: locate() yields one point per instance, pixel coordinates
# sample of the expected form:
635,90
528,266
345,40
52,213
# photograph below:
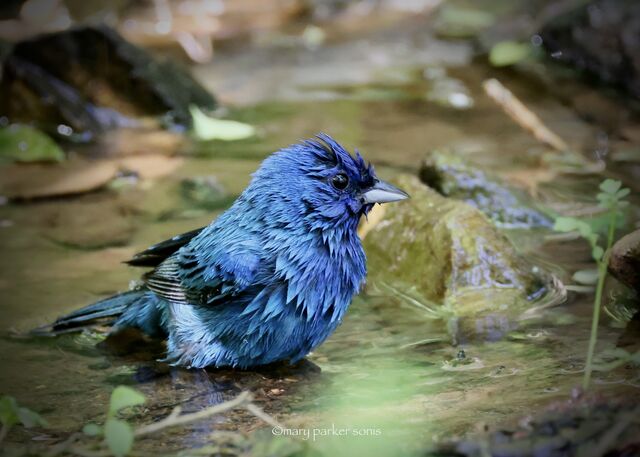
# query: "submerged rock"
88,80
204,192
602,38
624,262
446,91
448,252
93,223
451,177
578,427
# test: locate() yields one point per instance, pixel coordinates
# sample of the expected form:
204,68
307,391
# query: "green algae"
451,254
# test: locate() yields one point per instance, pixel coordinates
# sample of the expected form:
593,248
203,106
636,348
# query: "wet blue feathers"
271,278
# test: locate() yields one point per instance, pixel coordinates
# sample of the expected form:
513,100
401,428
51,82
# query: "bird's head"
320,179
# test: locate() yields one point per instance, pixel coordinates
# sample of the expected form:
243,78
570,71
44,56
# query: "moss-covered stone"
452,177
448,252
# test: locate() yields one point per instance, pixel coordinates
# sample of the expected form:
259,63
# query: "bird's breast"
320,277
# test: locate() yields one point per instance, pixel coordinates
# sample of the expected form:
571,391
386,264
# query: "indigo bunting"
271,278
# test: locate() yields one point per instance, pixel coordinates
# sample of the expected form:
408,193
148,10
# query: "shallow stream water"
370,376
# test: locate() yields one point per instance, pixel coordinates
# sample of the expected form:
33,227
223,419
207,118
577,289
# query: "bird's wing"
205,276
156,254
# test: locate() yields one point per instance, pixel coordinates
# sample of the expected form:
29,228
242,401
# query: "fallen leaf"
21,143
127,142
586,277
149,166
456,22
530,178
30,181
209,128
507,53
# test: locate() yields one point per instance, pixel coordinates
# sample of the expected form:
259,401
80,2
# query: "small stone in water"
460,100
64,130
448,92
204,191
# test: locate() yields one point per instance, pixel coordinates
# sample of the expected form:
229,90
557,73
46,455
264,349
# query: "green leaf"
588,277
456,22
31,419
605,200
209,128
21,143
627,155
622,193
508,53
600,222
8,411
92,430
566,224
123,397
597,252
586,231
119,437
610,186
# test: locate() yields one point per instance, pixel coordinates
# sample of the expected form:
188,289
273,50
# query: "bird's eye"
340,181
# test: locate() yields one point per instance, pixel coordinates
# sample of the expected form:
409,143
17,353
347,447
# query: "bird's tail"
135,308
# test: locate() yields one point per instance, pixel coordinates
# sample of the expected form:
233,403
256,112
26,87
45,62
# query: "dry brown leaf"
529,178
149,166
127,142
30,181
78,176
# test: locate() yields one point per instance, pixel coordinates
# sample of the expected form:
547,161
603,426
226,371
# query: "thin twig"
434,313
522,115
63,446
260,414
425,341
175,412
173,420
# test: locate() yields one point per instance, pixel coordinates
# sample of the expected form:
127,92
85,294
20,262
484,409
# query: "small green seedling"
118,434
611,199
11,413
116,437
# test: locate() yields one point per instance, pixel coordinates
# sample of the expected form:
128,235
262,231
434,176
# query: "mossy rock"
506,207
443,251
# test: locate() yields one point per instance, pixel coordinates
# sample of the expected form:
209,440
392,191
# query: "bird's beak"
383,192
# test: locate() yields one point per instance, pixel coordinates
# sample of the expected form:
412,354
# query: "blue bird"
271,278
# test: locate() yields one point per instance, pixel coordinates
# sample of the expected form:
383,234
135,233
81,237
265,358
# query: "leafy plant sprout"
116,437
611,199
